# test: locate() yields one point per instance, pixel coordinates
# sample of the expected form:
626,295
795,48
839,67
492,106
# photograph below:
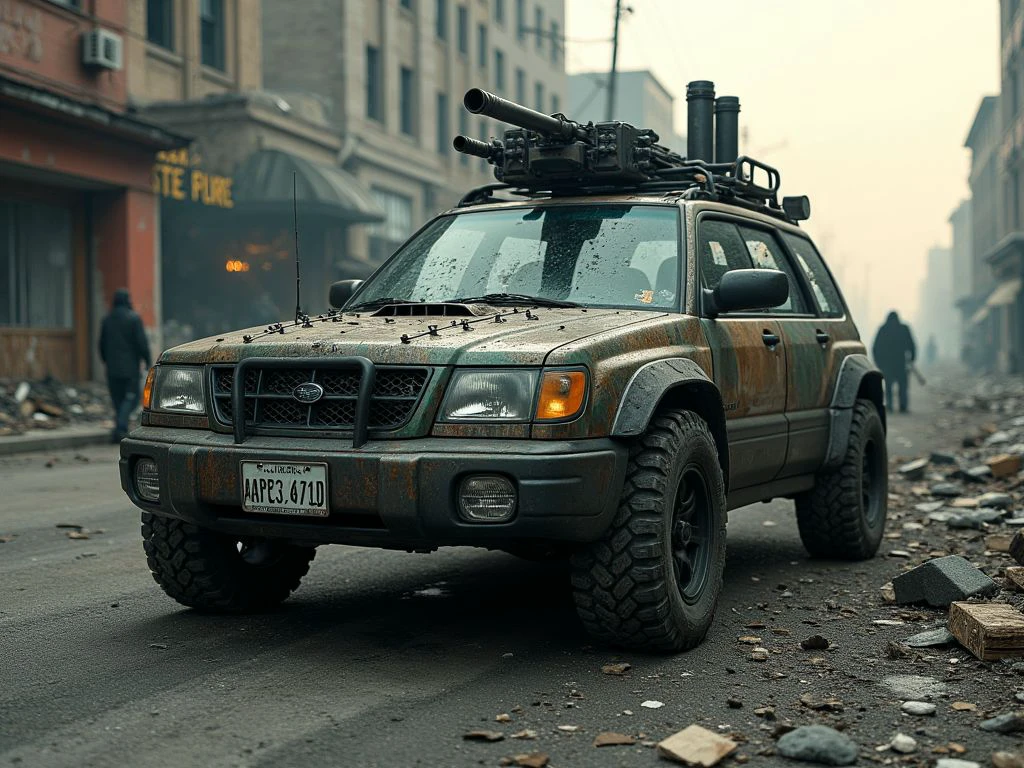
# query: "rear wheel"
843,516
652,581
216,572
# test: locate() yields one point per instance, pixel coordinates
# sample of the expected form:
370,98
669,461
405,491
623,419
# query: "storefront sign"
21,30
176,176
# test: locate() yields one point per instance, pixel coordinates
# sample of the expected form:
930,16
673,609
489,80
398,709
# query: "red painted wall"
124,243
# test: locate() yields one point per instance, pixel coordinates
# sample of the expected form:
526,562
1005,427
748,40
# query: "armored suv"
576,362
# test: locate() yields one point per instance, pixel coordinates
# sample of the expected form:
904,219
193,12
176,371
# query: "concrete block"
942,581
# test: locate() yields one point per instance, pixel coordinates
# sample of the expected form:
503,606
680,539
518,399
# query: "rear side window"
826,295
721,250
766,253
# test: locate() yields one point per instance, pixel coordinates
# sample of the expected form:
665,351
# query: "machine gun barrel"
476,148
480,102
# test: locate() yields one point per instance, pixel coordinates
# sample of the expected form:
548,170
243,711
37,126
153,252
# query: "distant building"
78,216
962,266
935,318
640,99
392,74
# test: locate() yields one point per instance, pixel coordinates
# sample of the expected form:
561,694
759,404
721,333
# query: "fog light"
147,480
487,499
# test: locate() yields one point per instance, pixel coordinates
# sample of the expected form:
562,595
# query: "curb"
10,446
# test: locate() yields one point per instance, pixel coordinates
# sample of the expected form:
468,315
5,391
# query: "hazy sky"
863,105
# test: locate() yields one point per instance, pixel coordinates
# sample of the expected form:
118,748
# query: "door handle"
822,337
771,340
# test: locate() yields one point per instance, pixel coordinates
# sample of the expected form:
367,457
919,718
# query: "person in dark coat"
123,346
894,350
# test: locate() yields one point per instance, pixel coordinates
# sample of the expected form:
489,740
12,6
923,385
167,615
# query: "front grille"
269,402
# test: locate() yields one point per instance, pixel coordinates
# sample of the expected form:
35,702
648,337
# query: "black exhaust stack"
727,129
700,118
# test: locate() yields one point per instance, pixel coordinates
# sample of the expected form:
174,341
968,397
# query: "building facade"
936,325
78,216
391,75
640,99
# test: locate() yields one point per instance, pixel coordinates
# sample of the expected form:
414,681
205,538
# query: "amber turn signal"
147,391
561,395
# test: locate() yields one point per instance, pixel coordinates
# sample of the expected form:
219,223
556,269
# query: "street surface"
387,659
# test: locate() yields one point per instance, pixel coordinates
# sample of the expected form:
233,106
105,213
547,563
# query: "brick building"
78,217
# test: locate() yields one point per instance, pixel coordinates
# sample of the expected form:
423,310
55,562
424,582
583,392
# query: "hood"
521,338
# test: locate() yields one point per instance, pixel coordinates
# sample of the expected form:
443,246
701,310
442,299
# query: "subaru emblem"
308,393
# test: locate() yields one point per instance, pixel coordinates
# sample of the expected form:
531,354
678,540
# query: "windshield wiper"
513,298
383,301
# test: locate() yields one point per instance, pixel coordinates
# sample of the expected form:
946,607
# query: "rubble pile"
48,404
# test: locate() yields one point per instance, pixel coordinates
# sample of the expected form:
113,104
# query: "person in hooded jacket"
123,346
894,350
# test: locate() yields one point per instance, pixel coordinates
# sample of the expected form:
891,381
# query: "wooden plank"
988,630
1015,577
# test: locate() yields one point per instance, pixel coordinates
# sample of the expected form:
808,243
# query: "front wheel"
652,581
843,516
218,573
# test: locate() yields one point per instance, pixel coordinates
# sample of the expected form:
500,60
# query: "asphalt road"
387,659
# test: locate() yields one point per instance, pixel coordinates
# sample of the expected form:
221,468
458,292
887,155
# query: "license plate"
284,488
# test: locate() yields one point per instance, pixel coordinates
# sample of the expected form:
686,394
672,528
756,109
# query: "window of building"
76,4
538,27
521,20
481,46
538,96
444,141
556,42
407,101
556,104
442,19
211,30
520,86
462,29
499,69
386,236
407,4
464,130
160,23
374,84
826,295
35,265
499,11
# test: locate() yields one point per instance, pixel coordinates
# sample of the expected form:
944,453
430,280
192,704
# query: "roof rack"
550,155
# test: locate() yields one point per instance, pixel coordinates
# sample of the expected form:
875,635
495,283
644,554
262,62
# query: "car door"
805,339
748,363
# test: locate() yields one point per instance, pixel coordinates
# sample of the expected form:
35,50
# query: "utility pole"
610,112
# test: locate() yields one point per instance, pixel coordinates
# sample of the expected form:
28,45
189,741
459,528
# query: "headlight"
179,389
498,395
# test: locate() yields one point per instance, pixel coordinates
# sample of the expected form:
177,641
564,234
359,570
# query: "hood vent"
425,310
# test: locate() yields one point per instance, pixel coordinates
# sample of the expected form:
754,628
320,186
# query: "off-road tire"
204,569
625,585
843,516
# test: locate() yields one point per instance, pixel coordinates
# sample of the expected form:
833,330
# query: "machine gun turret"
554,153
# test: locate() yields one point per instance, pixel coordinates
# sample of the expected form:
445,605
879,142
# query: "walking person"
123,346
894,350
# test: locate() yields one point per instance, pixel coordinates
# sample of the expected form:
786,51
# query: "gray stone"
818,744
1017,667
998,438
903,744
996,500
945,490
953,762
929,506
914,470
1011,722
914,687
932,637
938,457
943,515
1019,695
978,474
920,708
973,519
942,581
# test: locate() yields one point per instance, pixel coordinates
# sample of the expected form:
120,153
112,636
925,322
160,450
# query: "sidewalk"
54,439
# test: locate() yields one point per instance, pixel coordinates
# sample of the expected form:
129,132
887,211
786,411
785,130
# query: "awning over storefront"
264,183
1004,294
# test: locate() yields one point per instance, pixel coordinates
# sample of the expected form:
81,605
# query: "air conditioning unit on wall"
103,49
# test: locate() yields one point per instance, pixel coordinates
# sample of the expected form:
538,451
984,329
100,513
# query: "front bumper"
399,494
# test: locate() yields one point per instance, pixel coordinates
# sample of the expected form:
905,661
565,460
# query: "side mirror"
342,291
742,289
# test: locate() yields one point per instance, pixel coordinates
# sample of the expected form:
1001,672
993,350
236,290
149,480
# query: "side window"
826,295
721,250
766,253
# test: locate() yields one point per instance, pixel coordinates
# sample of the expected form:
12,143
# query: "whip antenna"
295,221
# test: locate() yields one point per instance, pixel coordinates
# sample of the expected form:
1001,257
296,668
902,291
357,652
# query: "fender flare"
856,374
681,383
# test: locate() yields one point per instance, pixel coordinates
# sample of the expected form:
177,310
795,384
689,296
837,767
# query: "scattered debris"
1004,465
734,703
650,704
887,592
942,581
903,744
818,744
524,734
759,654
914,470
811,701
158,646
952,762
974,519
483,736
620,668
568,728
988,630
998,542
1011,722
996,500
749,639
963,706
1015,575
918,708
78,535
532,760
695,745
1017,547
609,739
7,538
815,643
504,717
931,638
1007,760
